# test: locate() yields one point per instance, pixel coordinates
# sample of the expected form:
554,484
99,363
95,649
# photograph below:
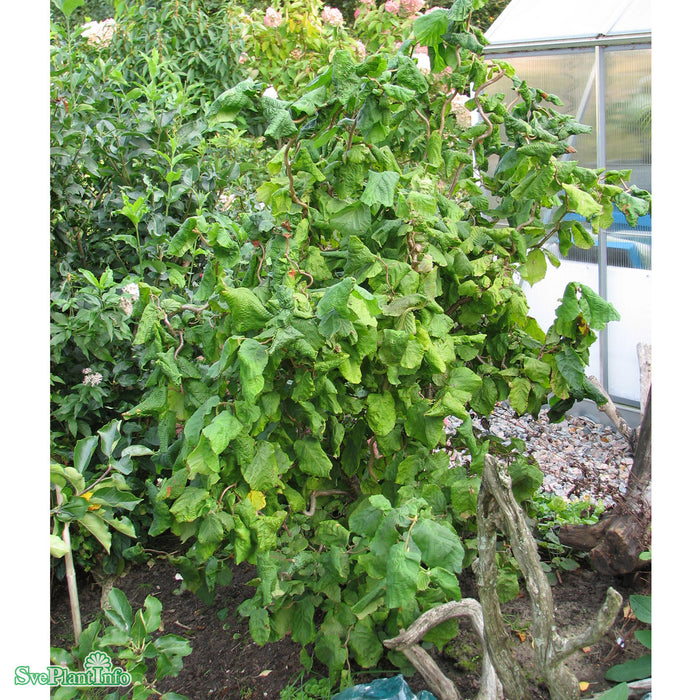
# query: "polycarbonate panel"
628,113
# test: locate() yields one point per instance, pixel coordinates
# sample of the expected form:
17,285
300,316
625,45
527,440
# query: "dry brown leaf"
522,636
264,673
583,685
585,650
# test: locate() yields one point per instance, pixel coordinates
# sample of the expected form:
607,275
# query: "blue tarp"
394,688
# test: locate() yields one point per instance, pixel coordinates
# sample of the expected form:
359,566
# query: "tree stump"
618,538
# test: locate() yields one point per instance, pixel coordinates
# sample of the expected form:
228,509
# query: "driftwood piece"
610,410
408,642
498,509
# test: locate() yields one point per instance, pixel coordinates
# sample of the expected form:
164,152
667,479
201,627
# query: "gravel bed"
579,458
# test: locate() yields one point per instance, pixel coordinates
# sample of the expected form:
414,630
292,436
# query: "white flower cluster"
99,33
126,302
462,114
91,378
270,92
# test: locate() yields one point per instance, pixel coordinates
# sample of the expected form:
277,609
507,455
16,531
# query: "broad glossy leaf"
82,454
402,569
429,28
439,546
58,547
381,412
253,359
312,458
119,611
641,607
633,670
261,472
190,505
224,428
380,188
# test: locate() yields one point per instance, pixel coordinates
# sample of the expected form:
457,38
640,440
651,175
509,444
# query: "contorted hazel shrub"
332,333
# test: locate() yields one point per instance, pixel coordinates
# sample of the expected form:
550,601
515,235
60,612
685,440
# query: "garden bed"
226,663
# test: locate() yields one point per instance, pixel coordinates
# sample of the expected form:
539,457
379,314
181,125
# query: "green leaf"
253,359
595,309
537,370
109,435
247,311
259,625
58,547
402,570
460,10
261,472
365,644
226,106
644,637
439,546
535,267
641,607
381,413
619,692
312,458
147,325
224,428
68,6
98,528
429,28
84,449
633,670
186,237
118,610
190,504
380,188
507,585
519,393
571,367
115,498
581,202
303,627
355,218
335,298
408,74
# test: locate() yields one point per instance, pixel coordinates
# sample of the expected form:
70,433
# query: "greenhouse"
597,60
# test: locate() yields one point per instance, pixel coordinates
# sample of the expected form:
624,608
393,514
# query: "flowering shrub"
381,26
286,48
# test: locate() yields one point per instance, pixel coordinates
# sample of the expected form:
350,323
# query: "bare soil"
226,663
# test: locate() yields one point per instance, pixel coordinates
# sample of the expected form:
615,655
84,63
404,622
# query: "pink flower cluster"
332,16
392,6
273,18
412,7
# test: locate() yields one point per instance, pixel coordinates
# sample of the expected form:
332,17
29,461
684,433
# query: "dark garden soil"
226,663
